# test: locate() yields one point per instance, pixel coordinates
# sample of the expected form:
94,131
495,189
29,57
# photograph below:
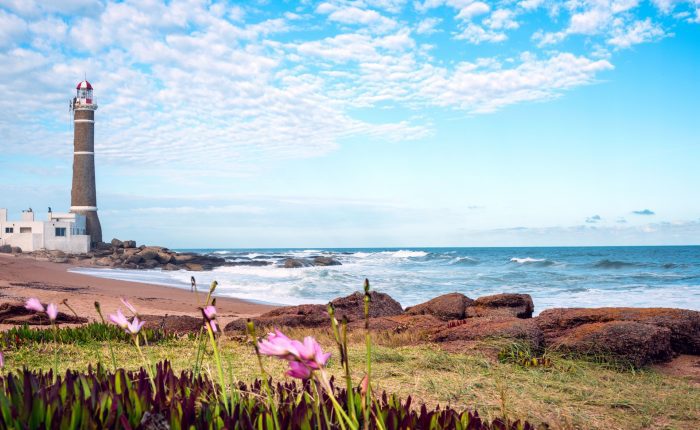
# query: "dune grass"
570,394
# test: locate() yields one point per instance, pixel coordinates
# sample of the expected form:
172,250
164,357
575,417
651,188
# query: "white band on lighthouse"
83,153
84,120
84,208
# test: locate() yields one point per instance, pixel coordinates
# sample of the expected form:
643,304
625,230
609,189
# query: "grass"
570,394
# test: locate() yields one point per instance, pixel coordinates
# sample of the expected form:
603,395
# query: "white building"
62,231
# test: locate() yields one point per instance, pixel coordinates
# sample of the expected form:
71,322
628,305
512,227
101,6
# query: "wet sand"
22,277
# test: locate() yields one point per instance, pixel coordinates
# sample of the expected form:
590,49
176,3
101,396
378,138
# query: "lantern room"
84,93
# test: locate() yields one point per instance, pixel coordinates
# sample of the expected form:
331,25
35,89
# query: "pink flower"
311,353
34,304
303,357
128,305
2,360
279,345
214,328
52,311
119,319
135,326
209,312
298,370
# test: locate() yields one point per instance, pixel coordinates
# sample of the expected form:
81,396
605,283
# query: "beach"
22,277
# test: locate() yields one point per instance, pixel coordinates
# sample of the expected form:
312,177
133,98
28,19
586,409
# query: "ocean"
555,277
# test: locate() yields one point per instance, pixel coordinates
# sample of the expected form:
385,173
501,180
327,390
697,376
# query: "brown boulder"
502,305
178,324
684,324
104,261
447,307
129,244
183,258
326,261
16,313
516,329
288,316
352,306
149,264
632,342
134,259
171,267
194,267
149,253
164,257
400,323
296,263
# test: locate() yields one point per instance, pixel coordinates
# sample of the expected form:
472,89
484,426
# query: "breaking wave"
541,262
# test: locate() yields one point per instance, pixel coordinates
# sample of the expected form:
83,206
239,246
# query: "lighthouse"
83,192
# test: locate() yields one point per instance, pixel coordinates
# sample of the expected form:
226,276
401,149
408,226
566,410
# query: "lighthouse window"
25,229
9,230
60,231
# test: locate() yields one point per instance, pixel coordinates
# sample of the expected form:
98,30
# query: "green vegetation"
570,394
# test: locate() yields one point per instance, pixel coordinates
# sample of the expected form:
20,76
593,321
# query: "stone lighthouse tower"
83,193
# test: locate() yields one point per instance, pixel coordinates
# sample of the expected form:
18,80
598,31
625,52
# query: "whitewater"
555,277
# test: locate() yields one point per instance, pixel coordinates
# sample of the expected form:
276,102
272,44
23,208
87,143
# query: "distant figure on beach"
193,283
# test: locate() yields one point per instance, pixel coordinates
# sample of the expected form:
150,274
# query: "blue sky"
362,123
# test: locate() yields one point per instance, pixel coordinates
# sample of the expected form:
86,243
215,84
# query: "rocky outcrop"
471,329
683,324
627,341
502,305
178,324
325,261
447,307
16,313
296,263
422,325
351,307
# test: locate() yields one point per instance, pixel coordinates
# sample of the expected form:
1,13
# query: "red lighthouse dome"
83,92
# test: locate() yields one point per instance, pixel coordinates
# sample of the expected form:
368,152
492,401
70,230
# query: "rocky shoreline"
637,336
126,255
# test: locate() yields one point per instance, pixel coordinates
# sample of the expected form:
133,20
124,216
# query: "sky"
373,123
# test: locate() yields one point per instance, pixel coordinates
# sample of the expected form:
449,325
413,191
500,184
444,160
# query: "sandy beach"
22,277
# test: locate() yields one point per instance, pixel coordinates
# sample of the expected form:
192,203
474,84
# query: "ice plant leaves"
125,399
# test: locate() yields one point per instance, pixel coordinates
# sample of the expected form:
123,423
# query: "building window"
60,231
25,229
9,230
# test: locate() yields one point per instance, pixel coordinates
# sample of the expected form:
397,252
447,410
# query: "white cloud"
427,26
474,9
12,28
477,34
352,15
637,32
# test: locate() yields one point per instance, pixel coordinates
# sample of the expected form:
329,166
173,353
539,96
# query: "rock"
256,263
5,249
194,267
171,267
177,324
447,307
352,306
116,243
287,316
326,261
164,257
400,323
104,261
149,264
183,258
502,305
129,244
57,253
149,253
636,343
500,327
58,260
295,263
684,324
134,259
16,250
16,313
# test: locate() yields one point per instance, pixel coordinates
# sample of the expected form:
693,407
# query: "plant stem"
339,409
109,339
147,363
220,369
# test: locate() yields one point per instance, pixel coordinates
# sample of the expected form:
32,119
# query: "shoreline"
22,277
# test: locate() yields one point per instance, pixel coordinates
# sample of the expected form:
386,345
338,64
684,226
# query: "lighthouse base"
92,225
